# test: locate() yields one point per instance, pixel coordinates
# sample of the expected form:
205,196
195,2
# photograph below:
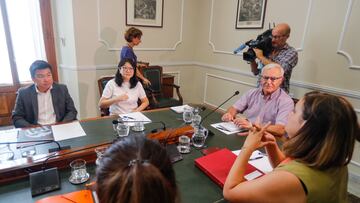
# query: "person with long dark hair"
122,93
136,169
312,167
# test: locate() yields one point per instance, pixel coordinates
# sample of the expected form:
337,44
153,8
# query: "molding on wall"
103,41
299,84
231,53
222,78
342,35
357,164
306,27
323,88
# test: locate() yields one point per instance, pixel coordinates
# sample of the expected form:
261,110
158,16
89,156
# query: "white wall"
196,44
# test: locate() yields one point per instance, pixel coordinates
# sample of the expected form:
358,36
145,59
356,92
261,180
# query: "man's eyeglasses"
271,78
276,37
127,68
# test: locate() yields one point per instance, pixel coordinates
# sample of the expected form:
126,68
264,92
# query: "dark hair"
136,169
38,65
328,135
132,33
118,76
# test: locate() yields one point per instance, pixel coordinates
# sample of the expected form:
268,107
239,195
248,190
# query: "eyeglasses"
276,37
271,78
127,68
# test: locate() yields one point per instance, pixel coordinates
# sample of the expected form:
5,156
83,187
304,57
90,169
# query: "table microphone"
46,180
211,112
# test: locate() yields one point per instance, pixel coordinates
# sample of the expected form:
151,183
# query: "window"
22,24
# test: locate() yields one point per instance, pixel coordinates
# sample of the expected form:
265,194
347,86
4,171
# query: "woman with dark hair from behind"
122,93
136,169
312,167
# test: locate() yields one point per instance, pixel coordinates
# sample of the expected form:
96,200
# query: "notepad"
134,116
218,164
180,109
227,128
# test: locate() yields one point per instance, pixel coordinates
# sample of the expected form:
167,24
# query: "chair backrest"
154,74
102,81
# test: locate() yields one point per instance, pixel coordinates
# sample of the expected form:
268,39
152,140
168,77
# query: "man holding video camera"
281,53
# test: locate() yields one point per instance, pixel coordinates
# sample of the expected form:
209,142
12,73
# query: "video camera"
263,42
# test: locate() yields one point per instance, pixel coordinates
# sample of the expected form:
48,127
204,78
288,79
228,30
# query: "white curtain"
27,35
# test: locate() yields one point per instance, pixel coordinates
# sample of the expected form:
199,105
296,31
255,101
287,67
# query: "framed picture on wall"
250,14
146,13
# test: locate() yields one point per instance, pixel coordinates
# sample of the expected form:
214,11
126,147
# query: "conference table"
193,184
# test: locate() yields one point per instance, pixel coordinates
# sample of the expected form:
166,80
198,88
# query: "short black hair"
38,65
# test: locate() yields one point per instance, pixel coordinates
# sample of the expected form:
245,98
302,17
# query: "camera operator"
282,54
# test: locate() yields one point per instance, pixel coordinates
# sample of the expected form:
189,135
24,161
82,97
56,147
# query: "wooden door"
7,101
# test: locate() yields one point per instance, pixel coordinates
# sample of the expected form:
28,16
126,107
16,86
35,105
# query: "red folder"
218,164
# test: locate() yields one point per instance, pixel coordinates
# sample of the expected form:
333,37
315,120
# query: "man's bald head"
283,28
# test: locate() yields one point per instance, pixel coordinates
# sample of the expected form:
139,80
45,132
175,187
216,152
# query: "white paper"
179,109
263,163
226,127
9,135
67,131
135,116
253,175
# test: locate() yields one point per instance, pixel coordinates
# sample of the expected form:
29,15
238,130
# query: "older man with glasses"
268,103
282,54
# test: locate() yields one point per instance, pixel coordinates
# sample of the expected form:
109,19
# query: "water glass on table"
138,126
122,129
184,144
199,137
188,115
99,154
78,172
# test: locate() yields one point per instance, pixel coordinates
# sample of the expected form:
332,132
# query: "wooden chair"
155,92
102,81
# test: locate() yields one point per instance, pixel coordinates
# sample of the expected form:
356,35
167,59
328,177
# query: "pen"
256,158
128,117
222,128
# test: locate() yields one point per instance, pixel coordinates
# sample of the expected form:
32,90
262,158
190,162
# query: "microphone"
211,112
47,180
240,48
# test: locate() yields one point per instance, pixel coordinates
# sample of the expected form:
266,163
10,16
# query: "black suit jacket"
25,112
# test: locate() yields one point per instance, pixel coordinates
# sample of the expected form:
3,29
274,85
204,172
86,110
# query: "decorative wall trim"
342,35
103,41
357,164
300,84
222,78
231,53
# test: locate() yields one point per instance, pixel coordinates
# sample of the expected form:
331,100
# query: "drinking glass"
138,127
27,150
184,144
99,154
122,130
188,115
78,172
199,137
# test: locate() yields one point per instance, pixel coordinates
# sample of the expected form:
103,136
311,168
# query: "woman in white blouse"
122,93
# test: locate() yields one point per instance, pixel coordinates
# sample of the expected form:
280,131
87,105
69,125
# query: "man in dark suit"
44,102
